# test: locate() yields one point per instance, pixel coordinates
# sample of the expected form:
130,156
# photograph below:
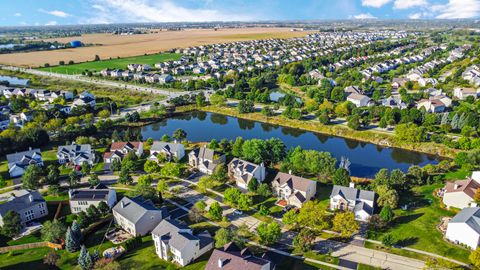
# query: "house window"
42,212
29,215
41,206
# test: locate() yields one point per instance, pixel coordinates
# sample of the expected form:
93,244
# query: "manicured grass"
32,238
367,267
416,227
119,63
457,175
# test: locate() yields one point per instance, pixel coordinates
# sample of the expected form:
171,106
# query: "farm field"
114,46
119,63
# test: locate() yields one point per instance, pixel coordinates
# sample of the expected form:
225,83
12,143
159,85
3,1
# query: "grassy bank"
117,63
377,138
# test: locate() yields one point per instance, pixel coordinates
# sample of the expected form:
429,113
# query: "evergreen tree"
71,242
77,232
253,185
462,121
85,259
341,177
444,120
454,123
95,256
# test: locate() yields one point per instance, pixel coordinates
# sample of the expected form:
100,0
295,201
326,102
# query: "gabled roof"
469,216
168,146
176,234
232,258
243,166
467,186
121,145
22,199
205,153
293,181
133,209
352,194
24,158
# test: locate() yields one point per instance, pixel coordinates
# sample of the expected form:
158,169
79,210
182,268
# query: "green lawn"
119,63
416,227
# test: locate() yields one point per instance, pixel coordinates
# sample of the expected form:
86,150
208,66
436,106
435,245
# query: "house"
171,151
205,159
165,78
120,149
81,199
138,216
431,105
231,257
464,227
86,94
243,172
460,193
360,202
85,101
359,100
295,190
29,204
18,162
76,154
462,93
394,102
176,242
353,89
398,82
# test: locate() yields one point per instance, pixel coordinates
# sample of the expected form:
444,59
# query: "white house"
170,150
76,154
138,216
18,162
295,190
464,228
359,100
243,172
360,202
205,159
81,199
460,193
176,242
463,93
120,149
30,205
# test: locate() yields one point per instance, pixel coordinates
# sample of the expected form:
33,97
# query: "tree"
85,259
195,215
313,215
124,177
104,114
290,217
345,223
246,106
222,237
475,258
171,169
51,258
354,122
151,166
31,177
53,231
388,240
103,208
303,242
263,210
215,211
85,168
410,132
386,196
72,244
217,100
253,185
12,224
200,205
145,180
92,212
207,182
269,233
52,175
341,177
237,147
116,165
264,190
93,180
73,178
83,220
180,134
386,213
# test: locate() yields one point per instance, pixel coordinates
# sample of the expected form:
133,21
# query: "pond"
366,158
14,80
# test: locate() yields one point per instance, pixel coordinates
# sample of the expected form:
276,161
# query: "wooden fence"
30,245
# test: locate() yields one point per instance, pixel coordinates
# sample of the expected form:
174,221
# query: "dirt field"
114,46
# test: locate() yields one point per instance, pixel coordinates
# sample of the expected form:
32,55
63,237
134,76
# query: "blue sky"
59,12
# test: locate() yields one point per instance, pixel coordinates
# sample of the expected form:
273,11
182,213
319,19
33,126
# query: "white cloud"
18,14
375,3
415,16
51,23
458,9
110,11
364,16
56,13
405,4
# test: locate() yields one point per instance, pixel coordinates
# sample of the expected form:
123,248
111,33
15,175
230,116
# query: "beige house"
243,172
460,193
295,190
205,159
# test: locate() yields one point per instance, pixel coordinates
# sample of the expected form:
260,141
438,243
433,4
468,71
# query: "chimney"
30,198
122,203
351,185
455,186
175,141
70,193
290,172
30,148
221,263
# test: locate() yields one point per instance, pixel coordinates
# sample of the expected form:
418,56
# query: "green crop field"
119,63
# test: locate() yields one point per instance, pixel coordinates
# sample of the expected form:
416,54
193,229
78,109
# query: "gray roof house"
360,202
295,190
76,154
29,204
205,159
176,242
170,150
243,171
81,199
18,162
464,228
138,216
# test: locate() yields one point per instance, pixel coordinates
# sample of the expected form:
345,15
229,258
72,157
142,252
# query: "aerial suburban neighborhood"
216,135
